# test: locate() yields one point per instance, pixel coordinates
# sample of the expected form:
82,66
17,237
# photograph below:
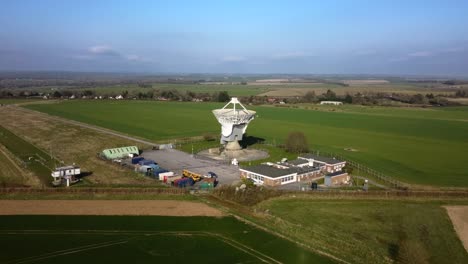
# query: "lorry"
195,176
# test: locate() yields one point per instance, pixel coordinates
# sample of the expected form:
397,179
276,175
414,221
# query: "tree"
309,96
296,142
57,94
223,96
329,95
348,99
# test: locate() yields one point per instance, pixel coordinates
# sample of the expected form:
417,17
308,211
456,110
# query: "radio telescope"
234,122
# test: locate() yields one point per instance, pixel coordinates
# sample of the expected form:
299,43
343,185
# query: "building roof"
67,167
120,152
320,158
336,173
269,171
305,169
298,162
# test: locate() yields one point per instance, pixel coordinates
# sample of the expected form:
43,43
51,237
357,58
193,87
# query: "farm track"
84,125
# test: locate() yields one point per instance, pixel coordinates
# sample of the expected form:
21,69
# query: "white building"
331,103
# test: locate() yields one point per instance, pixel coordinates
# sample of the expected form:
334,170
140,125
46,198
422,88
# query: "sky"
304,37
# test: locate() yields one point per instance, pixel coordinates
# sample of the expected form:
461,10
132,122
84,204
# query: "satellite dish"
234,122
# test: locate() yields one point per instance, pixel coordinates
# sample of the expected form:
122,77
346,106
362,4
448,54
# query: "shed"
336,178
118,153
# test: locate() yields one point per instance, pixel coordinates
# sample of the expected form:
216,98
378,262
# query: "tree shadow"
393,251
251,140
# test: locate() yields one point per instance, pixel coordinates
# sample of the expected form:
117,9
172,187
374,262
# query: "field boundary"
96,190
184,191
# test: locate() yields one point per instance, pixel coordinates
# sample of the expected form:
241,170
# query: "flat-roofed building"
327,164
336,178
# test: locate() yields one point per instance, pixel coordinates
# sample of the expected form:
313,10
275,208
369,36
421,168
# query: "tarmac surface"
176,161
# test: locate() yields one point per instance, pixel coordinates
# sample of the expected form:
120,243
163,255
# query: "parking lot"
176,161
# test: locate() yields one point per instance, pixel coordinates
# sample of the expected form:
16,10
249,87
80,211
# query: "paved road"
77,123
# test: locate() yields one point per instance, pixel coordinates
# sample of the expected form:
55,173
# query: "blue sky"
317,37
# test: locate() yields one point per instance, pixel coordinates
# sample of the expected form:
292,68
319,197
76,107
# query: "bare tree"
297,142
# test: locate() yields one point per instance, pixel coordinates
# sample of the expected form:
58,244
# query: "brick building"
306,168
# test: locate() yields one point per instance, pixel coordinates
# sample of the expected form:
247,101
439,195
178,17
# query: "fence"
96,190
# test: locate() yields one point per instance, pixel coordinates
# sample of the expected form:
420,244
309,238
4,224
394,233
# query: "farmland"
367,231
32,157
142,239
11,173
417,145
68,144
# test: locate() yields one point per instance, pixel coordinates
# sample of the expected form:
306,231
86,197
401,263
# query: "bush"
209,137
248,196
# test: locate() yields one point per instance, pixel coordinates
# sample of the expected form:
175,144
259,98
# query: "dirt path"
106,207
459,217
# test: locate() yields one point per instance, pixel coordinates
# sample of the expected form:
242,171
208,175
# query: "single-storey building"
275,175
331,103
268,175
327,164
336,178
118,153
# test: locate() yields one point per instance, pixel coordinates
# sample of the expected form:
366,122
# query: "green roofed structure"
118,153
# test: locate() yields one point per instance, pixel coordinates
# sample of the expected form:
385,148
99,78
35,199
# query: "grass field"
73,144
34,158
416,145
142,239
366,231
16,101
11,173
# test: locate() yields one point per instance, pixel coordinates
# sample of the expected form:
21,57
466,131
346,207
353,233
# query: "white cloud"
103,50
234,59
138,58
421,54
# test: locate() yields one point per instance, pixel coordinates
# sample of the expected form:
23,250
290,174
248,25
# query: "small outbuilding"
336,178
331,103
118,153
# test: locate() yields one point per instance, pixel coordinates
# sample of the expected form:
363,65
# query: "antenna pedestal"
232,146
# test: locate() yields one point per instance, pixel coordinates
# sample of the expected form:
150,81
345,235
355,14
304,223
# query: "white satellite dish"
234,122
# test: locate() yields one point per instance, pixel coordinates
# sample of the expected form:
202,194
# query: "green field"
16,101
416,145
366,231
142,239
9,173
32,157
